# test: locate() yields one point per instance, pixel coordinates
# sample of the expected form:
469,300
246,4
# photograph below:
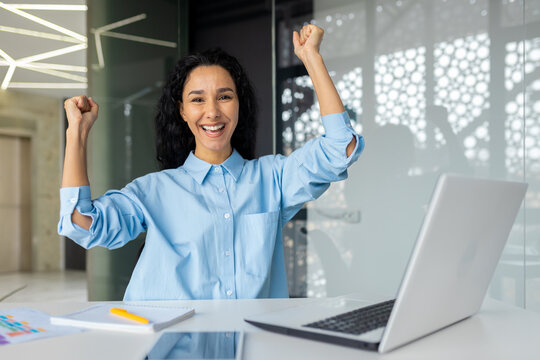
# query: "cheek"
233,116
192,126
235,112
187,112
233,129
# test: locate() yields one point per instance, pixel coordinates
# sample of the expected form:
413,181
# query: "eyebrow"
220,90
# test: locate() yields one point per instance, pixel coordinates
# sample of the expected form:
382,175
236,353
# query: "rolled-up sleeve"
309,170
117,217
338,135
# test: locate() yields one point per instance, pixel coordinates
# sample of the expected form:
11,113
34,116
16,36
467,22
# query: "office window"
434,87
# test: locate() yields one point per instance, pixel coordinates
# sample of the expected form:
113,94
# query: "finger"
318,30
296,39
303,35
86,105
91,102
314,35
94,107
71,102
82,103
307,34
309,29
72,110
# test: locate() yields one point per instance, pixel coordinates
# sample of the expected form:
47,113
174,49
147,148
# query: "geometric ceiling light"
77,42
38,34
43,22
49,7
105,31
31,62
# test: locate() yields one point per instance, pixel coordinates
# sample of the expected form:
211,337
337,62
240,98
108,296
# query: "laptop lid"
458,247
464,231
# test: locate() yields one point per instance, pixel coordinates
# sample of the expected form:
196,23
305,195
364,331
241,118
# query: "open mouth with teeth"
213,130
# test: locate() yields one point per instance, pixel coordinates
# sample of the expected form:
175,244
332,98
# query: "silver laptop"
458,247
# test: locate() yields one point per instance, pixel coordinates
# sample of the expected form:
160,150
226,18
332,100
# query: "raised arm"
306,47
81,113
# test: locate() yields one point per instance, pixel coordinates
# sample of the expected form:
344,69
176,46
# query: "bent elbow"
351,146
81,220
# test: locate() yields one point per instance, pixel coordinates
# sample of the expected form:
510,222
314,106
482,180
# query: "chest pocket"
256,239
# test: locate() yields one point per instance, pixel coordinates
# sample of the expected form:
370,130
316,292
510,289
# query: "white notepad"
99,317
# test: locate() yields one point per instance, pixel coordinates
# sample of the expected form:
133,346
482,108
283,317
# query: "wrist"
76,136
311,56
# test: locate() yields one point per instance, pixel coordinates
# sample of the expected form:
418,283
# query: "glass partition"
434,87
131,50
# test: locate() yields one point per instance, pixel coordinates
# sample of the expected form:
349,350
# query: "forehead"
211,76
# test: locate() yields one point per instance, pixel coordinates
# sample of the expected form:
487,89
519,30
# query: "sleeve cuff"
75,197
357,149
337,126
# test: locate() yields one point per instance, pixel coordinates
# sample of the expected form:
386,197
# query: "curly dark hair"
174,139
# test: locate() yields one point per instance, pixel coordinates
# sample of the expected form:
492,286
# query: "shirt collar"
198,168
234,164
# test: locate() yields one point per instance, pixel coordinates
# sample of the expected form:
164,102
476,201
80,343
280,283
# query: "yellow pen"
124,313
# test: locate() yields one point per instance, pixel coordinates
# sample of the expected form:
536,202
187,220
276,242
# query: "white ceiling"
18,46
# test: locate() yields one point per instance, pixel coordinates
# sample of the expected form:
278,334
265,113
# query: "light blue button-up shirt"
213,231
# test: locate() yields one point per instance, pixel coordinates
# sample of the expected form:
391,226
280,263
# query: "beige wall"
39,118
15,203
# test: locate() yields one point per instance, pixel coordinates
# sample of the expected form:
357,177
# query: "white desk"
499,331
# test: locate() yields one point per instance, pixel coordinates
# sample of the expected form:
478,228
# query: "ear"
181,109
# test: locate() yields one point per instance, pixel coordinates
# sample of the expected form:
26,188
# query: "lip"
213,135
213,124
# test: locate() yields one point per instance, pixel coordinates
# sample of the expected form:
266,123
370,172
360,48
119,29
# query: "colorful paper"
19,325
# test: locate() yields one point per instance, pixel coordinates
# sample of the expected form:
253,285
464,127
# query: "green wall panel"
126,83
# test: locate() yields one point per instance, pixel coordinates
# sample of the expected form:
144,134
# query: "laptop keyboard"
357,321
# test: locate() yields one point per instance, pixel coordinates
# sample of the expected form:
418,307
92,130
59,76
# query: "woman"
213,217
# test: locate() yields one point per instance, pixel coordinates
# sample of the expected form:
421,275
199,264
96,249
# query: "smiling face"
210,108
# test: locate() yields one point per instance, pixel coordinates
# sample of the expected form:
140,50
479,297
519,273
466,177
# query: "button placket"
225,211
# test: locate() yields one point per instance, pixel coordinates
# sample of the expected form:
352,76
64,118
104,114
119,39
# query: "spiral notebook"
100,317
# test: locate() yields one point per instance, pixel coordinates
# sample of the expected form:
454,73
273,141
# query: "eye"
197,100
225,97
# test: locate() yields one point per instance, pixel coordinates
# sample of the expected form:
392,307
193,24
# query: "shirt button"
227,253
229,292
227,215
73,200
221,189
216,169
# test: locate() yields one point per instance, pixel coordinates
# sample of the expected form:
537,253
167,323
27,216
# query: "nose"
212,110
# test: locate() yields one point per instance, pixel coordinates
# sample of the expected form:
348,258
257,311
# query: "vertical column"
368,67
497,99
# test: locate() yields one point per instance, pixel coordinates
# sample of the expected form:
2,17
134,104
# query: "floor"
57,286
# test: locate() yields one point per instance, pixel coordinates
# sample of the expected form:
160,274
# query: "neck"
213,157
